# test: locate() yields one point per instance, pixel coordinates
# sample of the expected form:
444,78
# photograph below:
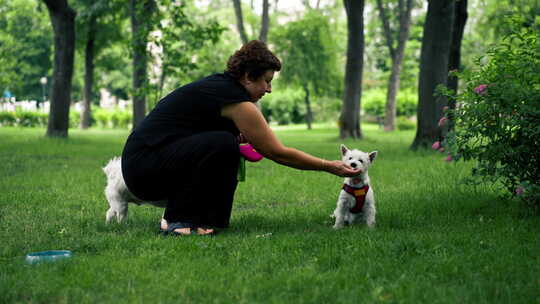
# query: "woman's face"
257,88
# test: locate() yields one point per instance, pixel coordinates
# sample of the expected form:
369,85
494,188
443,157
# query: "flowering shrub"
497,121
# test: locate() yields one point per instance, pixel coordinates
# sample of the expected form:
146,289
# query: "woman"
187,149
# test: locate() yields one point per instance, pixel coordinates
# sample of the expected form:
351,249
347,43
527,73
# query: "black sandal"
171,227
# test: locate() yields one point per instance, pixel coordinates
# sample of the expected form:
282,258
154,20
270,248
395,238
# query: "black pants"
197,175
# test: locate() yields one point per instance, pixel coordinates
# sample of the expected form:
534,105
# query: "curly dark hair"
253,58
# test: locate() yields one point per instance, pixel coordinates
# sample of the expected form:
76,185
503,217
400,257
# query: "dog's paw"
338,226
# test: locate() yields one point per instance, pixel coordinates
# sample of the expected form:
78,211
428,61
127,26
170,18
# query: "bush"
404,123
101,117
497,122
112,118
374,102
31,119
407,103
104,118
326,108
284,107
74,118
125,119
7,119
21,118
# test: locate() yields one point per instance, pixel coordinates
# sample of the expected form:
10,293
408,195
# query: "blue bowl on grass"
48,256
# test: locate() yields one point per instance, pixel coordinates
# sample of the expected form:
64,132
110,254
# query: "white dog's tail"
115,186
113,167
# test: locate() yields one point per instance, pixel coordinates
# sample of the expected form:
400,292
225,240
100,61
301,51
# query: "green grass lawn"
437,240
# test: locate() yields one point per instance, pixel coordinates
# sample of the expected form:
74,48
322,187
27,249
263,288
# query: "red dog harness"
359,195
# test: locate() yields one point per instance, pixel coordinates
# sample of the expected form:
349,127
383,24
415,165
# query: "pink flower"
442,121
441,150
520,190
448,158
481,89
436,145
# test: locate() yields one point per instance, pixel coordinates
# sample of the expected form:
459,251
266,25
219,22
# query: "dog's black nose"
353,165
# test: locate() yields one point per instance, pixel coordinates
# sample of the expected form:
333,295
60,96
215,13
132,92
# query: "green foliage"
112,118
326,108
378,62
25,47
22,118
374,102
112,63
115,71
284,106
183,35
405,124
308,51
31,119
7,118
498,120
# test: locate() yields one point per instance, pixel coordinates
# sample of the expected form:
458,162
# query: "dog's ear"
373,155
343,150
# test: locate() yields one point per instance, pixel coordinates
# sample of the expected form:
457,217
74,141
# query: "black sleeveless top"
191,109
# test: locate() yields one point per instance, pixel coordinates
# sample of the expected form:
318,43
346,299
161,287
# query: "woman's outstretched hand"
339,168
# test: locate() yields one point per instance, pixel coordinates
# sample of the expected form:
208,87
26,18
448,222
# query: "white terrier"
118,194
356,197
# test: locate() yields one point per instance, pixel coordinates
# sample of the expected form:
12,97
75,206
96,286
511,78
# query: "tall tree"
396,54
454,63
142,12
350,111
88,73
307,4
94,33
434,56
240,20
265,20
307,47
63,22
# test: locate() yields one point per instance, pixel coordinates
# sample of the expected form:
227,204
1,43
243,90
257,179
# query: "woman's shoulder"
223,85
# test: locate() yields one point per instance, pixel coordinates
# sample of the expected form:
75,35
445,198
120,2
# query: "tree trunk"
349,122
265,20
309,113
397,59
433,71
240,21
63,22
88,75
141,11
386,28
162,78
460,15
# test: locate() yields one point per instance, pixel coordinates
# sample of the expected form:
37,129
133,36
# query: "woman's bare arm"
250,121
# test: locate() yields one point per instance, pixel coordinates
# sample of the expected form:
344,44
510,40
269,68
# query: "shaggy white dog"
118,194
356,197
